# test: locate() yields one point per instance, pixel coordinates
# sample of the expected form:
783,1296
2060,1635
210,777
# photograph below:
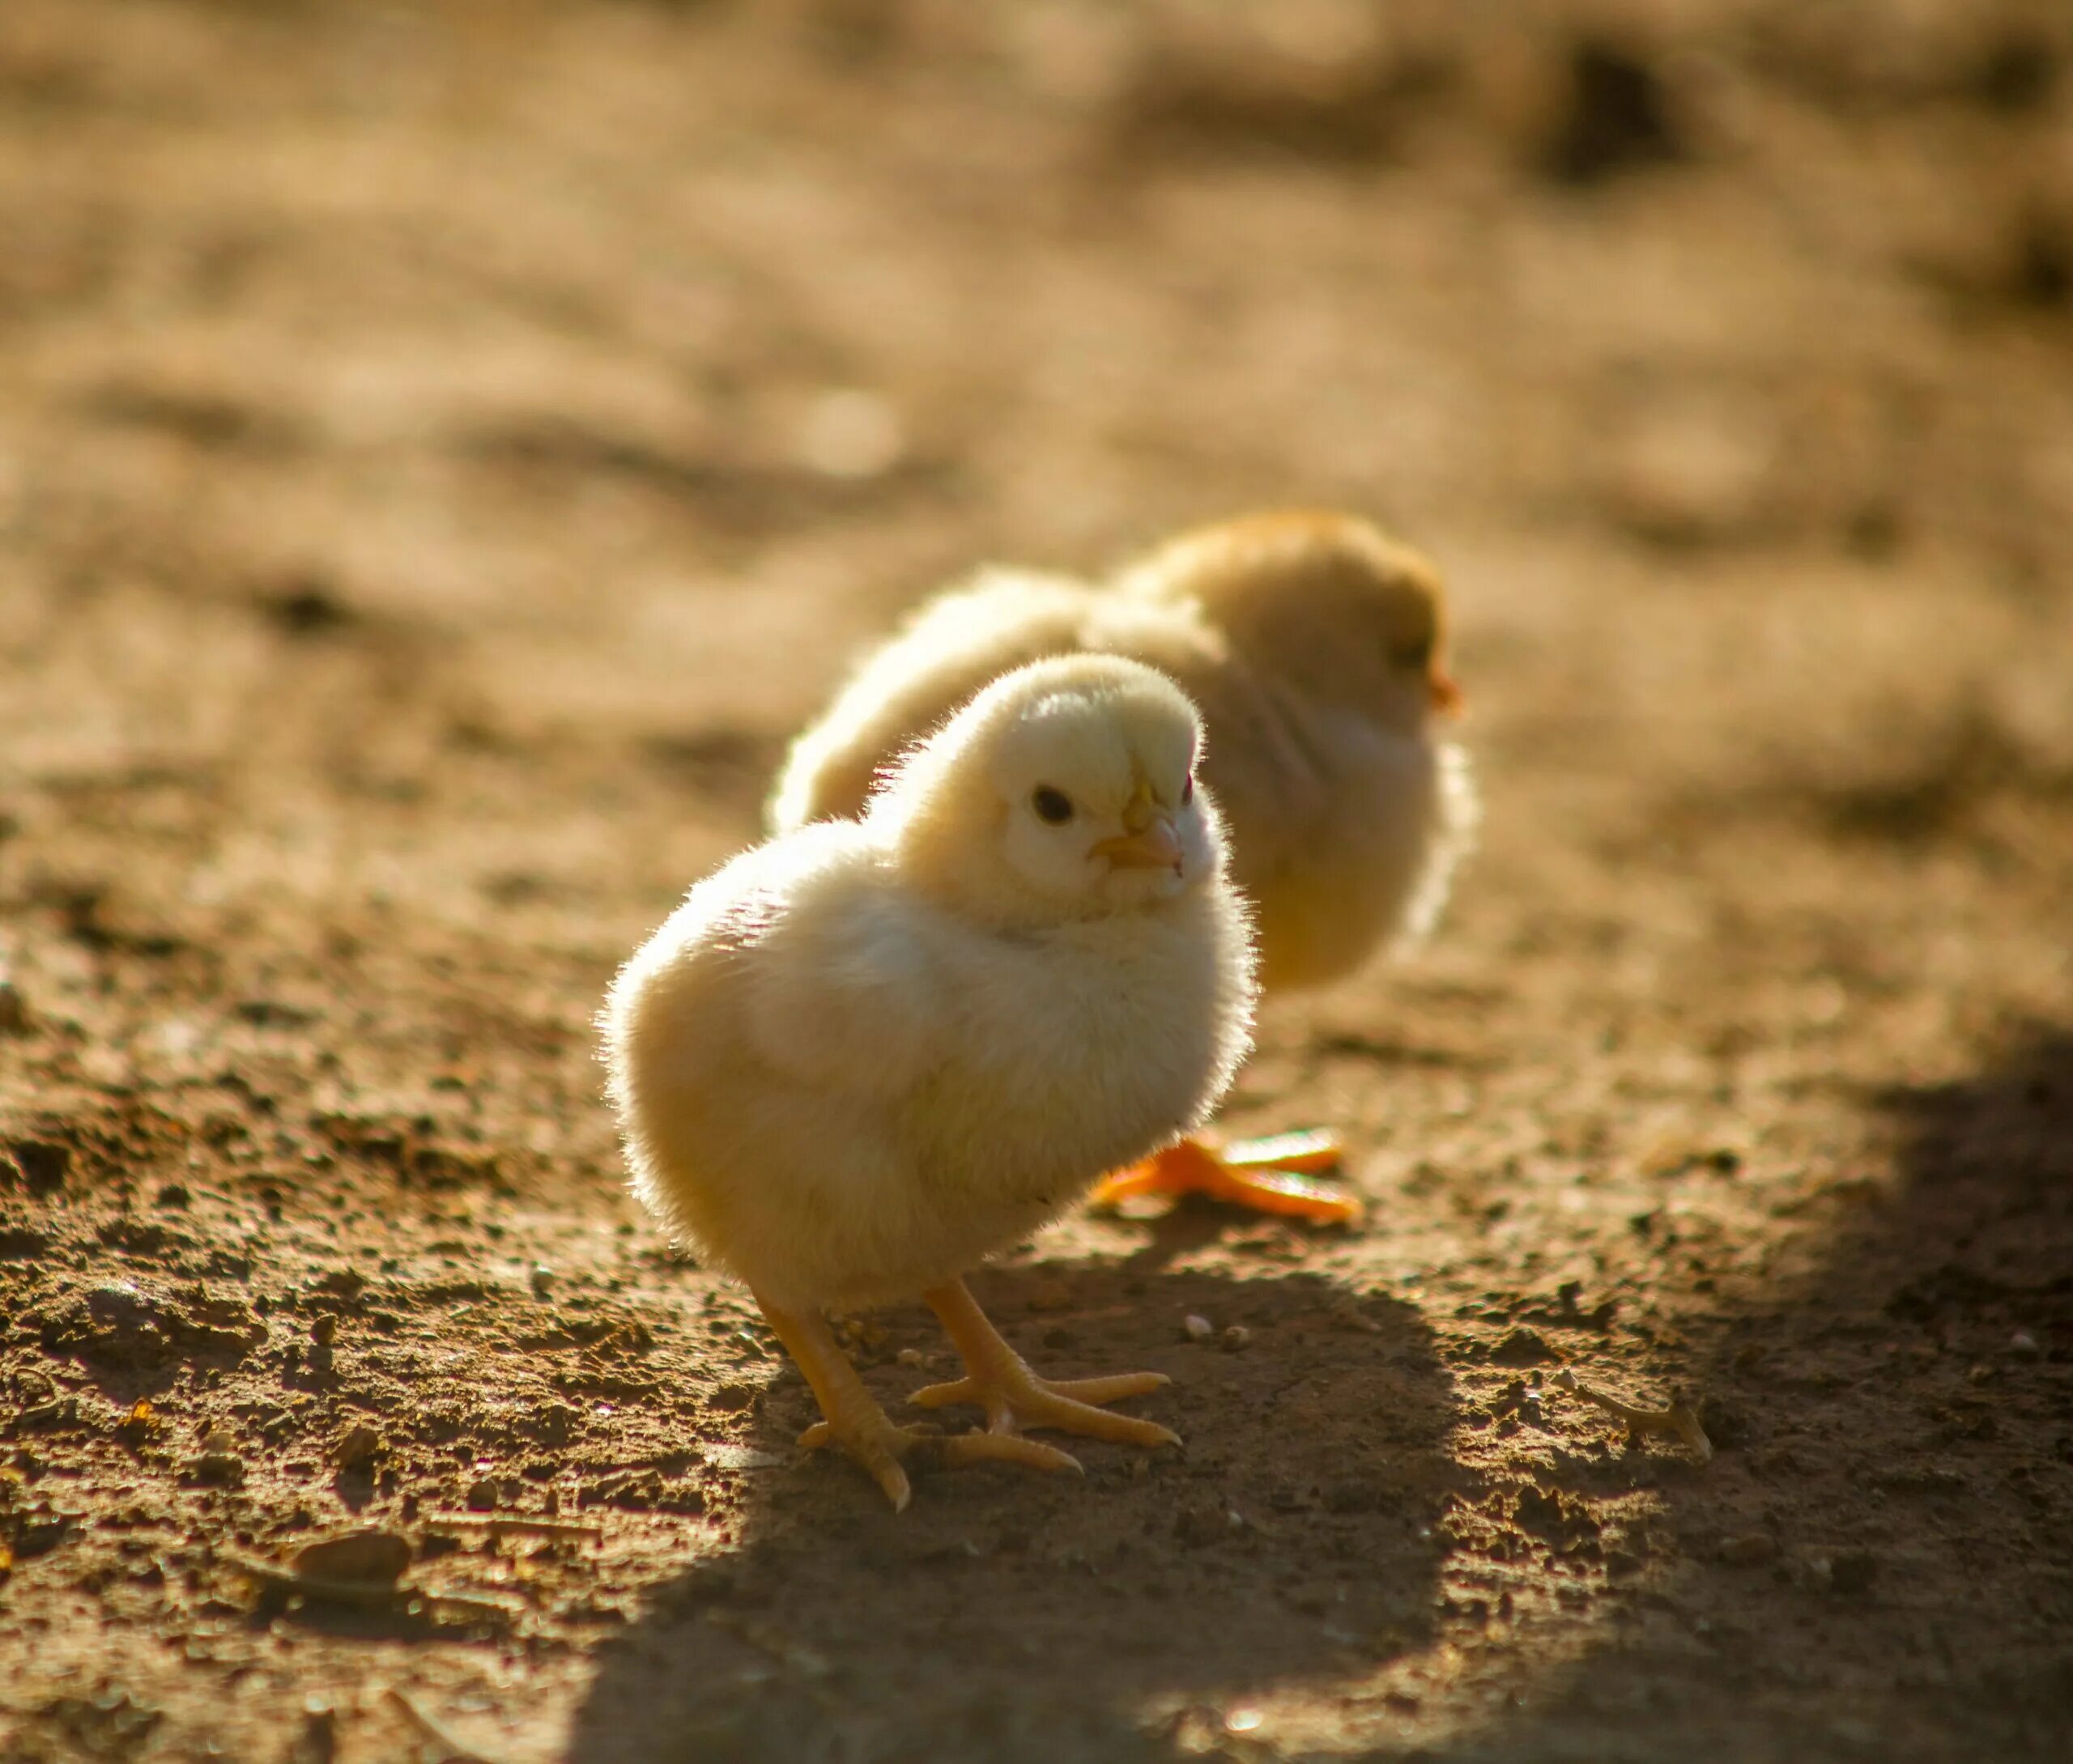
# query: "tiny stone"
324,1330
219,1469
13,1009
482,1496
174,1194
543,1278
359,1444
1197,1328
2023,1345
1237,1336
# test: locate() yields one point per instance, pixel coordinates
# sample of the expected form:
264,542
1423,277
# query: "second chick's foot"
1282,1175
1000,1381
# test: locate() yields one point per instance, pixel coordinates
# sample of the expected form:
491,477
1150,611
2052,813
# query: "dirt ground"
445,452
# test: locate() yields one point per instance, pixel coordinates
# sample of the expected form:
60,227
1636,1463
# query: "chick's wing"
842,992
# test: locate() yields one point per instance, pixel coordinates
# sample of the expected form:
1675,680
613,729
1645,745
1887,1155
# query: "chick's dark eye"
1414,653
1053,805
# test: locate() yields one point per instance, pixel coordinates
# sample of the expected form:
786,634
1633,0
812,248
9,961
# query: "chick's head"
1325,603
1064,790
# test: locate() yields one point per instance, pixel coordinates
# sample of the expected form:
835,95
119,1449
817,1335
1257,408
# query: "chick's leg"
1280,1175
857,1424
999,1379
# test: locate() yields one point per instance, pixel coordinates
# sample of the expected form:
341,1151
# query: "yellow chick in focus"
1314,645
866,1054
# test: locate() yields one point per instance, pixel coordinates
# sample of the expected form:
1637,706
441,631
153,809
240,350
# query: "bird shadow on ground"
1877,1562
1014,1616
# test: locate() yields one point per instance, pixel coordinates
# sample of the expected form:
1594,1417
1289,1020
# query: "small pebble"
1237,1336
365,1555
361,1444
1197,1328
2023,1345
324,1330
219,1469
543,1278
13,1009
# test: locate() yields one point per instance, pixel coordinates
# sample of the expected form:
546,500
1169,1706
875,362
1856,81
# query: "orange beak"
1447,698
1156,846
1151,843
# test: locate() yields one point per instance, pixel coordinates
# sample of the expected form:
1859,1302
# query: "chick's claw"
1278,1175
878,1449
954,1452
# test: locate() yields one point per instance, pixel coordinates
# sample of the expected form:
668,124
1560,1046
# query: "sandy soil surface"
443,454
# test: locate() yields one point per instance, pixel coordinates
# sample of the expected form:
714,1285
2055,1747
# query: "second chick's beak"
1447,698
1151,843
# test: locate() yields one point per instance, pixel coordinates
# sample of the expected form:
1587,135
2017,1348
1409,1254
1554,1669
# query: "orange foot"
999,1380
1279,1174
856,1424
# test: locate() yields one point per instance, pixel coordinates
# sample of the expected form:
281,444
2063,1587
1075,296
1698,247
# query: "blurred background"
445,450
624,364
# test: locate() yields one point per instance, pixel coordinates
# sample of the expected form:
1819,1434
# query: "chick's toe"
857,1425
1000,1381
888,1451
